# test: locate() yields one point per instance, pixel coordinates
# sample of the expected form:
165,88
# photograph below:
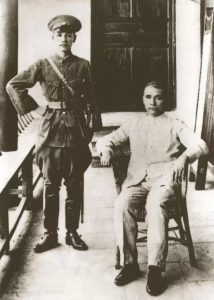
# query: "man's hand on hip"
41,110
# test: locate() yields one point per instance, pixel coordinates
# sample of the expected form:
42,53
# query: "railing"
17,178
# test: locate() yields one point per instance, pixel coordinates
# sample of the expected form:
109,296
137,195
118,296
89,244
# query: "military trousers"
155,197
57,164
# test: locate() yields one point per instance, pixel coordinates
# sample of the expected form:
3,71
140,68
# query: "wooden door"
206,94
208,120
132,43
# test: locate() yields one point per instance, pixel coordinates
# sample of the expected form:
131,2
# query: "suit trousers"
56,164
155,197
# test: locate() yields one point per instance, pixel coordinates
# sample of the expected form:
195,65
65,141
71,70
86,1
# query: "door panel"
132,42
114,86
123,8
152,9
148,64
112,34
103,9
208,119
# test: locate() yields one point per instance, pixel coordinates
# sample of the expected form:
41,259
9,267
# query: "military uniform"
61,150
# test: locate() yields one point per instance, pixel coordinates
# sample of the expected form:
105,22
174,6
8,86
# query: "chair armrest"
119,162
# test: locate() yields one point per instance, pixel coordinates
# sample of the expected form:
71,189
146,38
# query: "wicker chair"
180,230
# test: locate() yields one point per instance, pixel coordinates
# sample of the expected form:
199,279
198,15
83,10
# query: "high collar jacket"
76,71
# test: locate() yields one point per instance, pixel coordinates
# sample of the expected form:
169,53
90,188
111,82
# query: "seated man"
156,166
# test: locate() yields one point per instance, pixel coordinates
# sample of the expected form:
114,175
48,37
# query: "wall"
188,58
35,38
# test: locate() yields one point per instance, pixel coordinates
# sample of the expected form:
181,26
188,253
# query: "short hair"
156,84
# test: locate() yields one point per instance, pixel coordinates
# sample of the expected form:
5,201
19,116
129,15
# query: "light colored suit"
155,143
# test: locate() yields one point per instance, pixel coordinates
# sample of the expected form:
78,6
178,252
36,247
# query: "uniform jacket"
155,142
56,127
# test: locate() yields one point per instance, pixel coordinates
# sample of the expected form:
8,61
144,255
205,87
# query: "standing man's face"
63,40
153,101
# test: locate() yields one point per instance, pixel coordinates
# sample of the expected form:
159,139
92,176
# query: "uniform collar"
159,117
64,60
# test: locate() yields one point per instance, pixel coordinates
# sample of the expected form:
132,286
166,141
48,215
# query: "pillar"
8,68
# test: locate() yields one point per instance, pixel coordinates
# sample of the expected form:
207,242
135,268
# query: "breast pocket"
75,82
50,89
78,85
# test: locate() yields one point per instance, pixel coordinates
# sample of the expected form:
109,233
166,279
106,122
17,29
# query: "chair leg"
190,246
117,264
180,228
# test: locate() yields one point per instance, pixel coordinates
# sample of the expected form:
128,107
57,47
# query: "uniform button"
82,96
64,112
83,80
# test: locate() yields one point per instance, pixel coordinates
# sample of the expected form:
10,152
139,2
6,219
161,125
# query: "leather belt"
60,105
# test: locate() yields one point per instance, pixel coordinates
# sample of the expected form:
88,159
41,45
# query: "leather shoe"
155,283
73,239
48,241
128,273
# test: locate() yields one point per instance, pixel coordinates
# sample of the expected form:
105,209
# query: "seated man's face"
153,101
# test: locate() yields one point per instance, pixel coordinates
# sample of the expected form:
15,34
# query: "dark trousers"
57,164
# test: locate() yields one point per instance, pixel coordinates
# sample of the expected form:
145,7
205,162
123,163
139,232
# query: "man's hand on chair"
179,169
105,158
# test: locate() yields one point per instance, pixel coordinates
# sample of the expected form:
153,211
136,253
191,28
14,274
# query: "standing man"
156,166
62,150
